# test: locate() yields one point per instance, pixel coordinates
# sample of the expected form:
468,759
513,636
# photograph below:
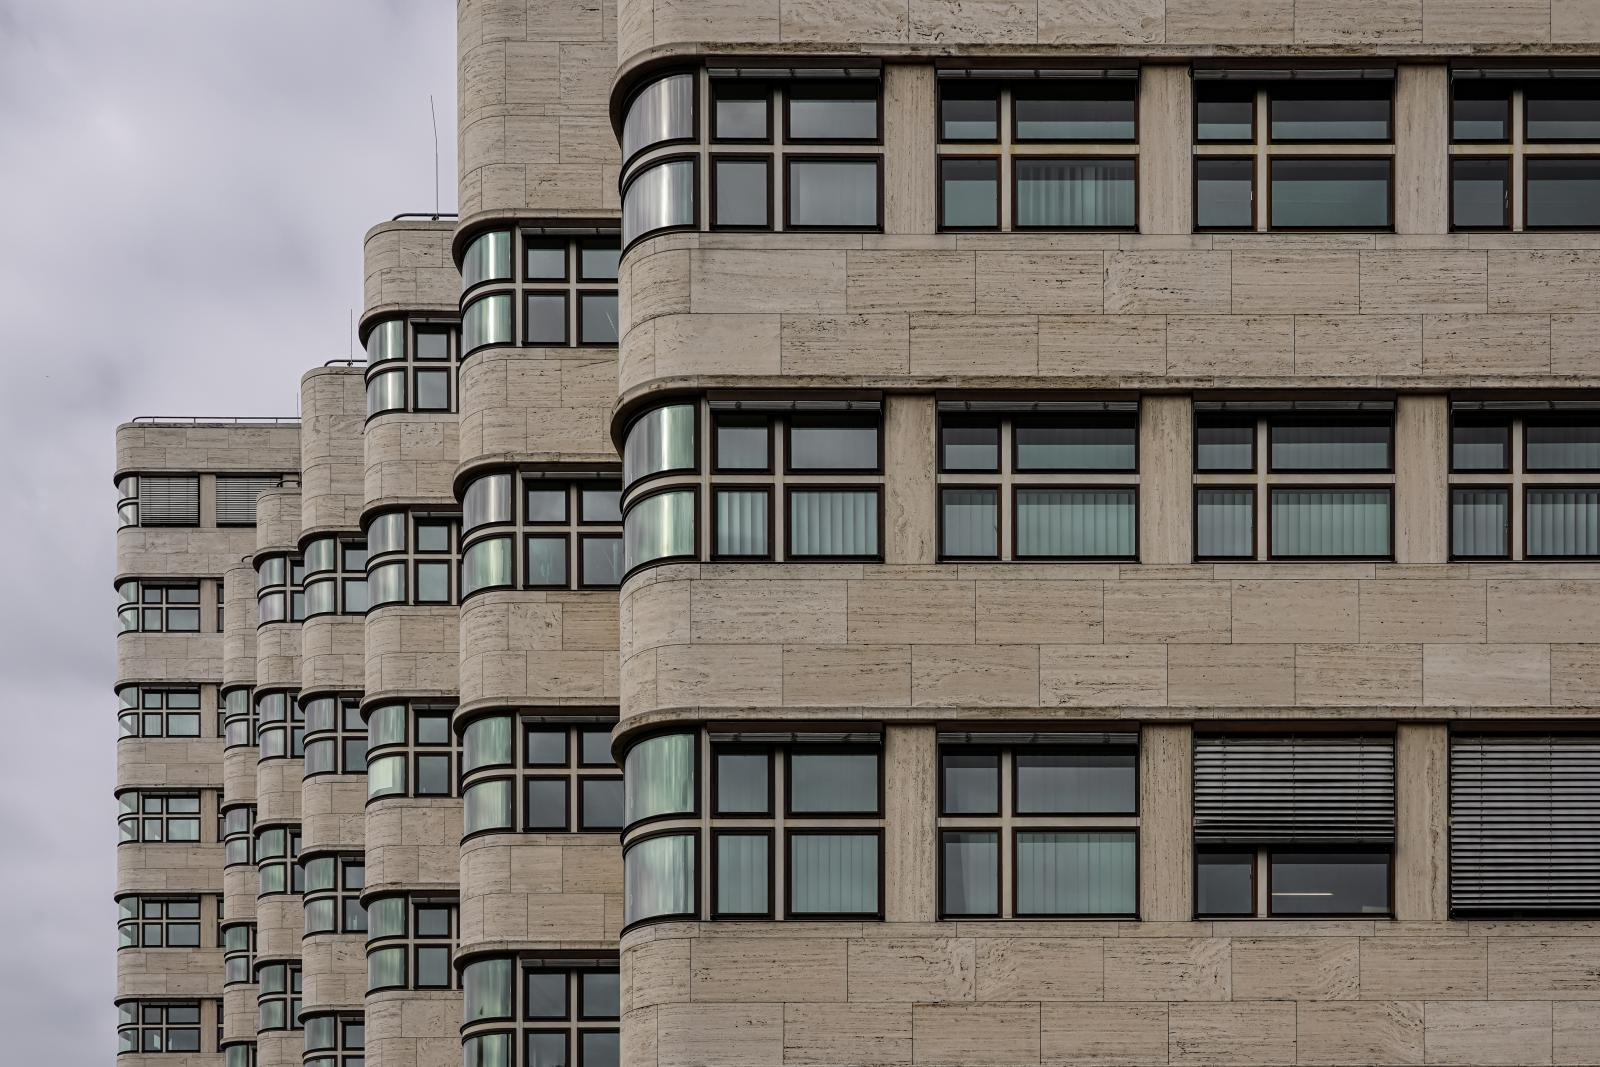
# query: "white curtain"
1074,192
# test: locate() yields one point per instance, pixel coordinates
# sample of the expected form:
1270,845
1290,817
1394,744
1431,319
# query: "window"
1339,175
411,940
148,711
280,593
158,922
818,798
564,293
335,736
333,887
411,751
238,718
1076,189
488,258
281,730
1554,157
335,576
277,855
278,996
557,1015
236,497
150,817
158,1026
1293,825
161,500
412,558
569,534
1036,486
336,1040
662,112
563,781
238,842
1041,825
1325,490
1523,824
159,607
411,360
238,953
1525,481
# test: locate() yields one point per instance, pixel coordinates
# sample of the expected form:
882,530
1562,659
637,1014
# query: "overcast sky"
184,187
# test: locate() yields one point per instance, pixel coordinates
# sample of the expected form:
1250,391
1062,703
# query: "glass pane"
1563,522
546,1050
1330,522
1062,873
1563,193
833,874
487,499
546,322
1074,193
387,341
488,257
658,877
1076,522
1102,111
1562,111
387,533
833,522
546,261
741,111
433,968
659,527
601,560
971,873
433,390
1089,780
742,866
969,447
1224,194
1480,523
386,967
970,522
598,261
834,193
600,503
594,748
1572,447
742,784
1480,193
600,1048
546,748
659,198
597,318
1329,883
386,775
601,803
969,112
659,773
661,111
547,994
435,536
1224,523
833,782
833,112
1223,112
1480,112
833,444
433,583
660,440
487,1050
433,776
741,443
486,806
433,920
741,194
969,193
1330,193
386,917
970,783
1355,112
1087,446
1223,883
547,561
486,743
433,344
486,564
742,522
486,321
1336,447
1480,447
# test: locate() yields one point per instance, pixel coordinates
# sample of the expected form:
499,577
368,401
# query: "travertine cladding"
239,1012
411,649
1206,641
1095,993
541,890
175,763
332,653
169,868
414,1028
408,268
240,884
169,972
202,446
278,520
168,1059
1182,26
410,456
278,655
1078,311
333,405
542,647
535,136
333,971
278,790
158,657
333,812
280,1048
413,843
239,775
180,552
540,404
280,923
239,615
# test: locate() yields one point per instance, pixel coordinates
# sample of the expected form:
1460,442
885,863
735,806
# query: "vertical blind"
1075,522
833,522
1330,522
742,865
1563,522
741,522
833,874
1291,790
1524,823
1076,873
169,501
971,521
1224,522
1479,522
236,498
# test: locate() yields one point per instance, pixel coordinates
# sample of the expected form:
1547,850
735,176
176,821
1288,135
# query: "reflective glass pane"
600,503
386,392
600,803
433,776
1480,111
1084,873
659,776
741,111
600,995
969,447
1074,193
1078,111
659,527
433,968
601,560
1480,193
487,806
1329,883
1562,111
970,522
1562,193
546,1050
833,193
597,318
1480,522
1224,194
1076,522
547,561
433,583
826,112
433,390
486,321
546,995
742,784
969,193
742,867
1358,111
741,193
545,261
1223,112
970,782
968,112
971,881
1088,446
658,877
594,748
662,111
833,873
546,322
487,258
1562,447
487,990
824,782
546,807
1480,446
659,440
486,564
1223,883
486,743
598,261
1318,194
433,344
1329,447
387,341
833,444
660,197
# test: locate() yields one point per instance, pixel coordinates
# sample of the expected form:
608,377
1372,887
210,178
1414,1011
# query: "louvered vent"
169,501
1308,789
236,498
1524,824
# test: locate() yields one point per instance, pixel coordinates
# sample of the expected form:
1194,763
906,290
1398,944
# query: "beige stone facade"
462,586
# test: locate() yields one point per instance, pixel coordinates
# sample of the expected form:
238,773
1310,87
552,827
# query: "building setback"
1079,524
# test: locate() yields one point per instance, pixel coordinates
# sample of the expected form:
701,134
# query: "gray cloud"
185,184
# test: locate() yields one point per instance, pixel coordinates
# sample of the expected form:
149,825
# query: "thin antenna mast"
352,338
432,115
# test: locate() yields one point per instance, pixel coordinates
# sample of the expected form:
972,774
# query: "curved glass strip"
658,878
661,111
659,527
658,777
486,321
387,341
659,440
487,499
488,259
486,565
660,197
386,392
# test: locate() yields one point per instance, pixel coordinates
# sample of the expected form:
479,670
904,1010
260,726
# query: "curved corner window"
659,440
386,968
486,321
658,776
660,197
387,341
386,533
659,527
486,565
488,259
387,584
386,392
661,112
487,990
658,878
386,776
487,499
487,806
487,743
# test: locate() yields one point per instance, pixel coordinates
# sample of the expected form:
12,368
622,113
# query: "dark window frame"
1019,227
787,161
